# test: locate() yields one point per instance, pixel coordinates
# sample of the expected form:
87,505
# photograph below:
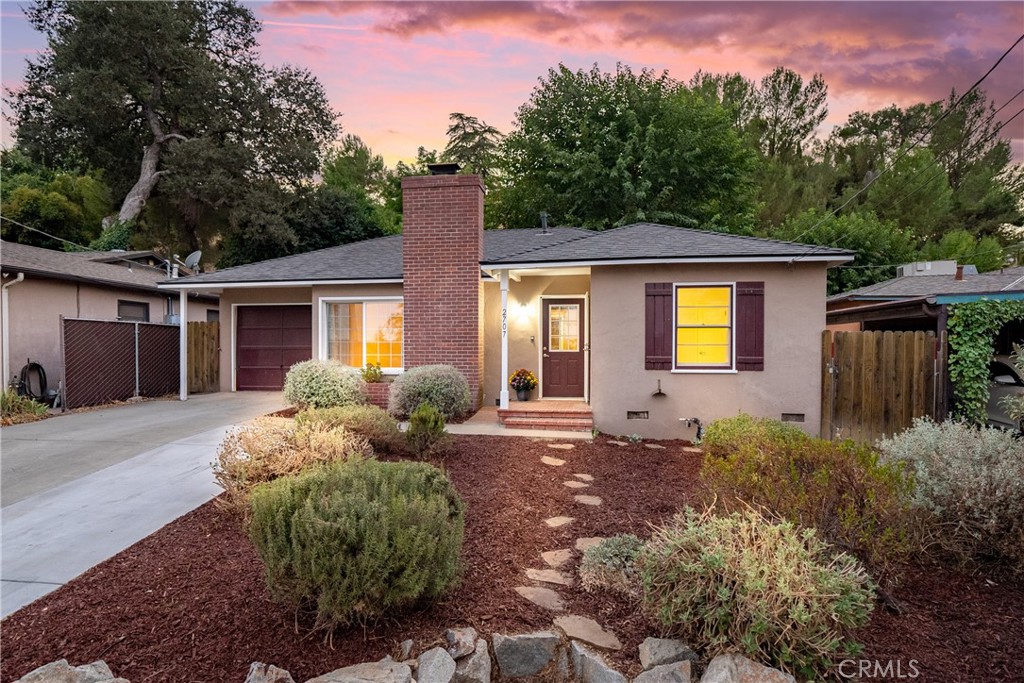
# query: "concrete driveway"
78,489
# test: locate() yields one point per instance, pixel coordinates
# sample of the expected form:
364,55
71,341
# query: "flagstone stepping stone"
561,446
617,443
548,576
555,522
588,631
573,484
556,558
654,446
583,477
588,500
693,449
554,462
583,543
542,597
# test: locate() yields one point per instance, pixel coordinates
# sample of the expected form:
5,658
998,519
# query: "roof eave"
823,258
251,284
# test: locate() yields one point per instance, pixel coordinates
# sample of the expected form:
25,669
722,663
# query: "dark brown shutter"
750,326
658,337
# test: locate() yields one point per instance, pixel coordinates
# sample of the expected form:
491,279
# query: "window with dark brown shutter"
749,326
658,324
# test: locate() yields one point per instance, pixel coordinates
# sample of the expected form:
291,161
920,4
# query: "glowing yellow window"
704,326
365,332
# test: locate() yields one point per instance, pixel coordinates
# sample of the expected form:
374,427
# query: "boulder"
460,641
590,667
475,668
676,672
62,672
384,671
405,650
657,651
267,673
526,654
435,666
739,669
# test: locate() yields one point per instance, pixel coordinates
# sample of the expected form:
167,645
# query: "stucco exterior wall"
790,382
524,320
36,305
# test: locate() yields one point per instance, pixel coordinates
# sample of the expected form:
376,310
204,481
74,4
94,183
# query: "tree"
598,149
473,145
914,193
961,246
788,111
354,168
179,81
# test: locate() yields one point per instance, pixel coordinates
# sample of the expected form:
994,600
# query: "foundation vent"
637,415
792,417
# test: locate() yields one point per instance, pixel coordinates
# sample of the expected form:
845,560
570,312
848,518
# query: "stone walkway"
543,592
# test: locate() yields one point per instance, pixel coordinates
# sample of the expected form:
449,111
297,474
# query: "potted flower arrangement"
523,381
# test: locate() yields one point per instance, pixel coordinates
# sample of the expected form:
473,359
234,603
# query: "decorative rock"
526,654
461,641
575,484
405,650
584,477
739,669
677,672
555,522
583,543
267,673
435,666
655,447
588,500
617,443
542,597
475,668
554,462
591,668
561,446
587,630
384,671
556,558
658,651
548,576
62,672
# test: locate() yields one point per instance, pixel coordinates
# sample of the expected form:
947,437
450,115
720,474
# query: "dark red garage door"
268,341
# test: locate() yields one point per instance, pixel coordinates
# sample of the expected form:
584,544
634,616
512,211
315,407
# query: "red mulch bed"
189,601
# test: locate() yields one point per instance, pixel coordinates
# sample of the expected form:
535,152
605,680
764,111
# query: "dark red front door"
564,366
268,341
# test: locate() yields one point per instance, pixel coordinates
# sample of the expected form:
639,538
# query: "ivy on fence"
973,327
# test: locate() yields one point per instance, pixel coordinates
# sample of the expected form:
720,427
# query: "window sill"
698,371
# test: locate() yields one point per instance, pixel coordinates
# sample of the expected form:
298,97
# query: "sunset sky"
396,70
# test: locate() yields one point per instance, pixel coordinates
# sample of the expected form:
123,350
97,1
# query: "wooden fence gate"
203,357
875,383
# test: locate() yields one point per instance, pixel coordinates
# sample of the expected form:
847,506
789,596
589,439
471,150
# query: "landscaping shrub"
971,482
426,434
611,565
777,593
724,437
323,384
368,421
271,448
359,539
856,502
442,386
16,409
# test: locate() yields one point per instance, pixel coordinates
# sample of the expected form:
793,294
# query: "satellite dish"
192,260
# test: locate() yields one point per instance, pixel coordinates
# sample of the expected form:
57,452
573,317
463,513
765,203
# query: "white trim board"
657,261
274,283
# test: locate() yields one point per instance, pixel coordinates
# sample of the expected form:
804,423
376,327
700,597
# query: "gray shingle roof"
74,266
1011,280
381,258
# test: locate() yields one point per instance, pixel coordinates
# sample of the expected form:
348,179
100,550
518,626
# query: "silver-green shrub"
368,421
971,481
442,386
323,384
360,539
426,435
774,591
611,565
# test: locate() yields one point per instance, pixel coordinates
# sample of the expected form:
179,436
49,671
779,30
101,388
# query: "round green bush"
442,386
323,384
360,539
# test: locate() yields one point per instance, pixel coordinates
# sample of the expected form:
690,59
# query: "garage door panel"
261,337
290,357
296,337
260,316
269,340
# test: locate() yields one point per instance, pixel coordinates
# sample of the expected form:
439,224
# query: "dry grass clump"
366,420
269,448
16,409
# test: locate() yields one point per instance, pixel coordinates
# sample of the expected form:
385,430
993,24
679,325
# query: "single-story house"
41,285
646,325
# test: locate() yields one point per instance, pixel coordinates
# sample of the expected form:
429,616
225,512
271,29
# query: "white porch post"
183,345
503,401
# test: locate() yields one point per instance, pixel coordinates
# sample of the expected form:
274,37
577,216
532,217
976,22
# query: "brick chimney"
959,272
442,245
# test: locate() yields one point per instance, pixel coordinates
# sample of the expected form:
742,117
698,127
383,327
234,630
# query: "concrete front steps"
573,416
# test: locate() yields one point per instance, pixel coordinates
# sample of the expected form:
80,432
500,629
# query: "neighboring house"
649,324
919,297
109,285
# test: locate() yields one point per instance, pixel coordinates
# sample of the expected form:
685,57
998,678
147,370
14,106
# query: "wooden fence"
203,357
875,383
